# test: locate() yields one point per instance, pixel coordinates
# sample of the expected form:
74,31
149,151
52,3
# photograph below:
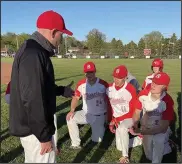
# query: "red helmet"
158,63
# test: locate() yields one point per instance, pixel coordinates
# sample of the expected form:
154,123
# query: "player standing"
94,110
122,97
157,66
158,112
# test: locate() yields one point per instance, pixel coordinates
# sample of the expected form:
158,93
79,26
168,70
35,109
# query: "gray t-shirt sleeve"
135,83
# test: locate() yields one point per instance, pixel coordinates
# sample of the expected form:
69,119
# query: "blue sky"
123,20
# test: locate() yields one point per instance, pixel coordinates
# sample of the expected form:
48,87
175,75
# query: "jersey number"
124,109
98,102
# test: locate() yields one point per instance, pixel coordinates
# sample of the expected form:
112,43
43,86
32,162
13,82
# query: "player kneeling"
94,110
158,112
122,96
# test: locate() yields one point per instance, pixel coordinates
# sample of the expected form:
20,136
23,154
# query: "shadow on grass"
7,157
168,158
86,149
4,131
103,147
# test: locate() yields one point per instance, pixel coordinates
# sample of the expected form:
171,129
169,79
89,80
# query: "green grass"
67,70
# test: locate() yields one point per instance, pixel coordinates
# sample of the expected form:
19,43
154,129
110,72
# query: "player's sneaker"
75,147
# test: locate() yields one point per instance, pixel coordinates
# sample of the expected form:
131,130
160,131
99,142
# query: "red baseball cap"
52,20
161,78
120,72
89,67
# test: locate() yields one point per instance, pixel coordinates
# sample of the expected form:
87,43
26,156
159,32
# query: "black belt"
101,114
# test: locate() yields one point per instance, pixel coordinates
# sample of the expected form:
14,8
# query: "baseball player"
132,80
7,99
157,66
122,97
94,110
158,112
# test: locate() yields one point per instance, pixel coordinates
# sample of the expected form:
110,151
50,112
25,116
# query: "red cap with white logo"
161,78
120,72
89,67
52,20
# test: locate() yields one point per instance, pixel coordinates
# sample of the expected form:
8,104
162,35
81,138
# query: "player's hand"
46,147
112,128
69,115
113,125
137,130
133,132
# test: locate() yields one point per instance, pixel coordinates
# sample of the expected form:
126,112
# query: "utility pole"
66,44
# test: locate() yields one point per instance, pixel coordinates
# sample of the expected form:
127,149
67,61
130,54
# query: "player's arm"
40,118
144,85
109,107
74,101
162,128
137,110
109,110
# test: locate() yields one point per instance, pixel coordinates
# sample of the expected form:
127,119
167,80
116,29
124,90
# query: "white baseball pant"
81,117
122,136
55,136
135,141
155,146
32,148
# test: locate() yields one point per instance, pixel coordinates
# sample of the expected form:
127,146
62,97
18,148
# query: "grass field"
67,70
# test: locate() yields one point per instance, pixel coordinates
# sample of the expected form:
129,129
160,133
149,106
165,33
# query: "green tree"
141,47
153,42
120,48
131,48
114,46
95,40
177,47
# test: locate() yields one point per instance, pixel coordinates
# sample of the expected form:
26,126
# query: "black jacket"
33,91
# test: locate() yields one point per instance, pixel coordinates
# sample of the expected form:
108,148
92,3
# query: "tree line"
161,46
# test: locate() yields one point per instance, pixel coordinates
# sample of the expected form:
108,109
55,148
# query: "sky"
121,20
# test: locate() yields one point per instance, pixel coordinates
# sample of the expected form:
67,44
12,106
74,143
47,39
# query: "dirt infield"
5,72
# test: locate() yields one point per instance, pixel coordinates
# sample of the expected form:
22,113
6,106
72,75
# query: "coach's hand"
69,115
68,92
46,147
